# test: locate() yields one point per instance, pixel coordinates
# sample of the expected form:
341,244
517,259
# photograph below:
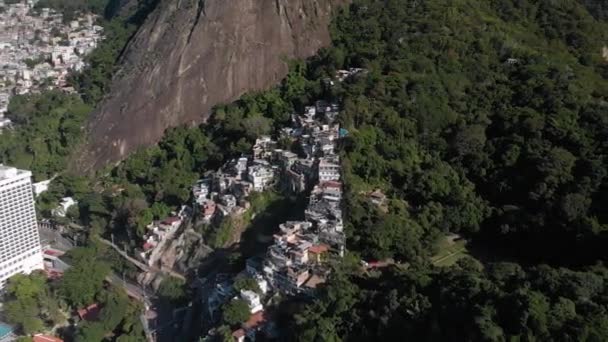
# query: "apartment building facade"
20,249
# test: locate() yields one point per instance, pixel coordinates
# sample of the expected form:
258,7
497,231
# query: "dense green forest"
485,119
466,302
482,118
34,303
479,118
49,125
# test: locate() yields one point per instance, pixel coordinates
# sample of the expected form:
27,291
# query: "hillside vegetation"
483,118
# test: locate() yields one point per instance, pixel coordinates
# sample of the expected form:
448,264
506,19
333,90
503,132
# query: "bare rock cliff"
190,55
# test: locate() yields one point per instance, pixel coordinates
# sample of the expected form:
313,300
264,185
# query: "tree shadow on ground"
257,237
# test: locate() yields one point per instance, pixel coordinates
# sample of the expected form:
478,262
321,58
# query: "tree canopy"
235,312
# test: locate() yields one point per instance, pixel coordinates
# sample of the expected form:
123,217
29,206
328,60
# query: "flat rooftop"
7,172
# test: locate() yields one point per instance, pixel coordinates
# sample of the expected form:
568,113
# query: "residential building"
201,190
261,176
208,210
253,300
263,147
329,169
41,187
170,223
63,207
45,338
20,250
228,200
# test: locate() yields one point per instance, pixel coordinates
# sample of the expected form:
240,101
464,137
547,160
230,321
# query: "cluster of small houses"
58,48
295,262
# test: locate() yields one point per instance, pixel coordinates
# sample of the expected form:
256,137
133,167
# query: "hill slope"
191,55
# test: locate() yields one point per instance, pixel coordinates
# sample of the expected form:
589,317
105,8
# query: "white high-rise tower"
20,250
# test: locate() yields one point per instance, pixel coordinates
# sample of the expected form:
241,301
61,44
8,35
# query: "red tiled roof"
89,313
255,320
46,338
53,273
378,264
318,249
171,220
208,208
148,245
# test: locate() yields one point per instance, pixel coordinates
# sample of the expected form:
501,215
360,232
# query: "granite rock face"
190,55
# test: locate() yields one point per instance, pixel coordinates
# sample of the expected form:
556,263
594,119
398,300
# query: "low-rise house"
41,187
201,190
323,211
317,252
222,182
286,158
330,191
377,197
325,145
255,324
342,75
170,223
328,169
310,112
264,147
208,210
253,300
241,167
241,189
261,176
63,207
262,283
89,313
228,200
45,338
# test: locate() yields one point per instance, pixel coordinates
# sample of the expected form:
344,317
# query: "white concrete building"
261,176
20,250
62,208
329,170
41,187
253,300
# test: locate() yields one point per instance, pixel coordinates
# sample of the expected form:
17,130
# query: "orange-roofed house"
315,252
255,321
249,329
45,338
90,313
